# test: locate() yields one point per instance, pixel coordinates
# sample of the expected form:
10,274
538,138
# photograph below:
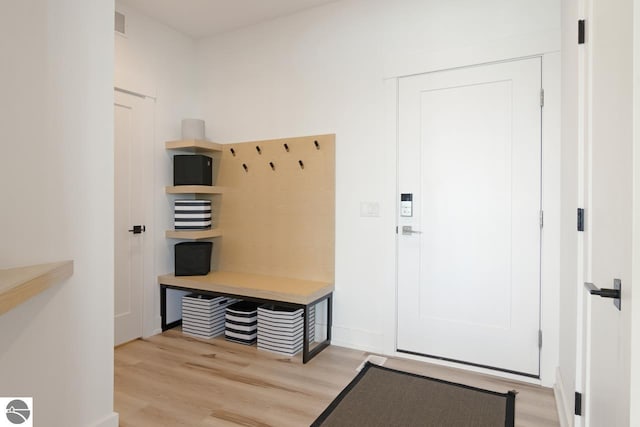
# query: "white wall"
332,69
56,169
157,61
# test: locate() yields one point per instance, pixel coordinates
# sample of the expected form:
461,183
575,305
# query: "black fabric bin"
192,169
193,258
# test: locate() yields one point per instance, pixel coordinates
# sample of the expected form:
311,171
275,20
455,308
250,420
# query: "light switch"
369,209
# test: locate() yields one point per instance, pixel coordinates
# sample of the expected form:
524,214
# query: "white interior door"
133,128
604,357
470,155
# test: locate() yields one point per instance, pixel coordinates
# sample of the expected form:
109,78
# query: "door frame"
583,314
635,242
150,292
550,242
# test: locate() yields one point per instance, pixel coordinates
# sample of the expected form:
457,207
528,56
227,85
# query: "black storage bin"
193,258
192,169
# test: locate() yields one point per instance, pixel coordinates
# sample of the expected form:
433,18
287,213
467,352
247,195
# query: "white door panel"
606,65
470,155
133,128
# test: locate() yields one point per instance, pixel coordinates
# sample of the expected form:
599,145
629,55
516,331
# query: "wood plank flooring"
174,380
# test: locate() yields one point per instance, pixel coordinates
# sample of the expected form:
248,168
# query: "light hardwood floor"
174,380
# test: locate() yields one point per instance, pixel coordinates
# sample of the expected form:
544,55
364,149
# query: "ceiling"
202,18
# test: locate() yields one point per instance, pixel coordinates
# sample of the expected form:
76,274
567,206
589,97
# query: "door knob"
615,293
408,230
137,229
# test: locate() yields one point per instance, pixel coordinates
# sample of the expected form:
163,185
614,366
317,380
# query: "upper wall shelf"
193,145
193,189
17,285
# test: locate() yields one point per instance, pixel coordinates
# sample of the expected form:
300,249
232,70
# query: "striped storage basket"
241,322
192,214
203,315
280,329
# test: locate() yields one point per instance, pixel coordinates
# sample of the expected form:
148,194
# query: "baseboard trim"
154,332
357,339
110,420
559,391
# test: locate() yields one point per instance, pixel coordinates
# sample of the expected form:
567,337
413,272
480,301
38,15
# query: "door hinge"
541,219
540,338
578,404
580,219
541,98
581,31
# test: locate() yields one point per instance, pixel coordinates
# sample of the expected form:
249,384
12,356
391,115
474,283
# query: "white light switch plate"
369,209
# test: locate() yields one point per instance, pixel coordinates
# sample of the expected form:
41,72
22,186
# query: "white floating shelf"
193,234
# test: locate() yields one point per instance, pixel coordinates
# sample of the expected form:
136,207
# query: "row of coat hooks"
285,146
271,164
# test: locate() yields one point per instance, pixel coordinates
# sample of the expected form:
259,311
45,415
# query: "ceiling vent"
119,23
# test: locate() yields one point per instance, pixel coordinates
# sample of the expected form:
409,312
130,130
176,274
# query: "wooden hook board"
278,209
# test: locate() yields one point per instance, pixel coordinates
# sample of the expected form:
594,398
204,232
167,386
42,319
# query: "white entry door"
469,244
133,128
604,350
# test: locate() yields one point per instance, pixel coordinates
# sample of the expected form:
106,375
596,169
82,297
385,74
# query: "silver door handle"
408,230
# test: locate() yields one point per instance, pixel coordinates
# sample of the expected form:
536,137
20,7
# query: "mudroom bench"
286,292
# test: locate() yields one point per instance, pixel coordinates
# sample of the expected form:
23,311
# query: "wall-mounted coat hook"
316,144
286,147
301,164
244,166
233,152
258,149
273,167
